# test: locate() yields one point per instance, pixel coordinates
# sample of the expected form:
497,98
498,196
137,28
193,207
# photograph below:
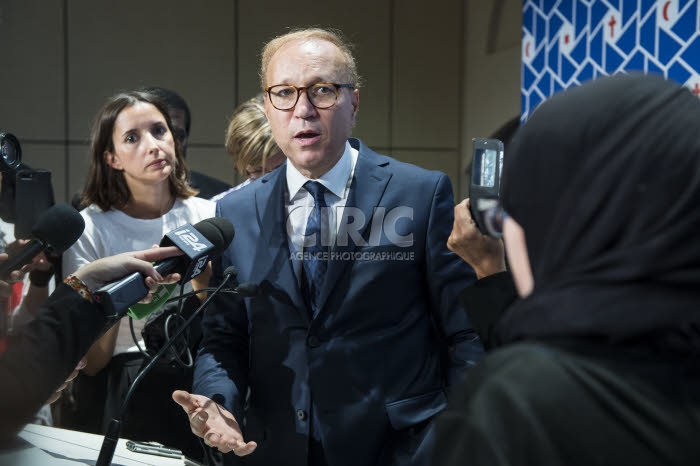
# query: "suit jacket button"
313,341
301,414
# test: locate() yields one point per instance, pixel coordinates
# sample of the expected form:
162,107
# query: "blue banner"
567,42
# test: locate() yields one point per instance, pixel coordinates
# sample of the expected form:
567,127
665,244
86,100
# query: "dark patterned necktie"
315,260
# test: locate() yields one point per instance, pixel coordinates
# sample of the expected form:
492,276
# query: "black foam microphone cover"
55,230
59,227
218,231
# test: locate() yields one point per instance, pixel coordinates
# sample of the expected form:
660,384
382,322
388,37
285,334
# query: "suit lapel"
272,219
368,184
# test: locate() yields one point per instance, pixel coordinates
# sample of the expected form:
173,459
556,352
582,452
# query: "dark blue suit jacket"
371,364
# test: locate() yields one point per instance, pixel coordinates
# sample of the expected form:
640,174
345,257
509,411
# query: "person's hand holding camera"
484,253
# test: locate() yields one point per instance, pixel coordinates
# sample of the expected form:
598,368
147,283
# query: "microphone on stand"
244,290
109,444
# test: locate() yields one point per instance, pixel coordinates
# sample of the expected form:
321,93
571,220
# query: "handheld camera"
485,182
25,192
10,152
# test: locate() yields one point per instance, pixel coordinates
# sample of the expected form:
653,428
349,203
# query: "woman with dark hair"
597,362
108,183
136,191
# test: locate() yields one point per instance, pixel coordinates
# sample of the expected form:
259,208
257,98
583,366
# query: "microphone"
109,444
56,229
200,243
244,290
248,290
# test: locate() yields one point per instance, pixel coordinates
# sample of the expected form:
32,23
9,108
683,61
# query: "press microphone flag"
196,256
199,244
194,244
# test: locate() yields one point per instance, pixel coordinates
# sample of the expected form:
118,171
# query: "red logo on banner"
667,13
567,36
693,84
612,26
528,50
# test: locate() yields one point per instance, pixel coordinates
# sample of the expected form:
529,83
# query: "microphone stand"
109,444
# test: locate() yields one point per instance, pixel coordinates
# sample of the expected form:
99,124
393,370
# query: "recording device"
485,182
55,230
33,196
10,152
109,444
200,243
26,193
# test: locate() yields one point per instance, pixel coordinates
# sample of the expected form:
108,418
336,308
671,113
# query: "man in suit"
348,352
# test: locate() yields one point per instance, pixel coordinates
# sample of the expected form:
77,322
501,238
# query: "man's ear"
112,160
266,106
355,104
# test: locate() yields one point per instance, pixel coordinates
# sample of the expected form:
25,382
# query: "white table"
40,445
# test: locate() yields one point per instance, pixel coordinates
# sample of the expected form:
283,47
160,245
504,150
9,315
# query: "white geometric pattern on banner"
568,42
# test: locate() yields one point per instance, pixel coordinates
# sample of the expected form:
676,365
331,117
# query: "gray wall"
436,73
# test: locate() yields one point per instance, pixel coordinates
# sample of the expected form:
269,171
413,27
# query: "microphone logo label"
199,266
196,246
191,239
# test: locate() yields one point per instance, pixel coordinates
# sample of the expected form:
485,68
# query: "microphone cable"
185,339
176,353
245,290
109,444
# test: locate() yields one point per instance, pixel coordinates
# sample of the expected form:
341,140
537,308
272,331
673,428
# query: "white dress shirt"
300,204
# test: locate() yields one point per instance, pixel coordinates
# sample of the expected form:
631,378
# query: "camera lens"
10,152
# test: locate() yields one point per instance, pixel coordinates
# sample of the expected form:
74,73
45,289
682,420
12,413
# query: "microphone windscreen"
59,227
231,270
248,290
218,231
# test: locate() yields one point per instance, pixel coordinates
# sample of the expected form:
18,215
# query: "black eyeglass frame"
337,87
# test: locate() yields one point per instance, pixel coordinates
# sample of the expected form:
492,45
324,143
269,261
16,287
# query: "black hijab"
605,181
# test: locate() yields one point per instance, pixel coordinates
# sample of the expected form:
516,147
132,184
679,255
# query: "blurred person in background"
597,362
181,119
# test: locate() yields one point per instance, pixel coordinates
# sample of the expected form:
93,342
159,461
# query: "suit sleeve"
38,359
448,275
221,368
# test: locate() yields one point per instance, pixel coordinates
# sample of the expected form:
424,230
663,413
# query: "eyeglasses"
321,95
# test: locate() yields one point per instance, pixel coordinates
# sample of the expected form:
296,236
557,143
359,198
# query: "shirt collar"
335,179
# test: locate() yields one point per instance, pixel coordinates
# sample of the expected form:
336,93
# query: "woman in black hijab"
600,358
